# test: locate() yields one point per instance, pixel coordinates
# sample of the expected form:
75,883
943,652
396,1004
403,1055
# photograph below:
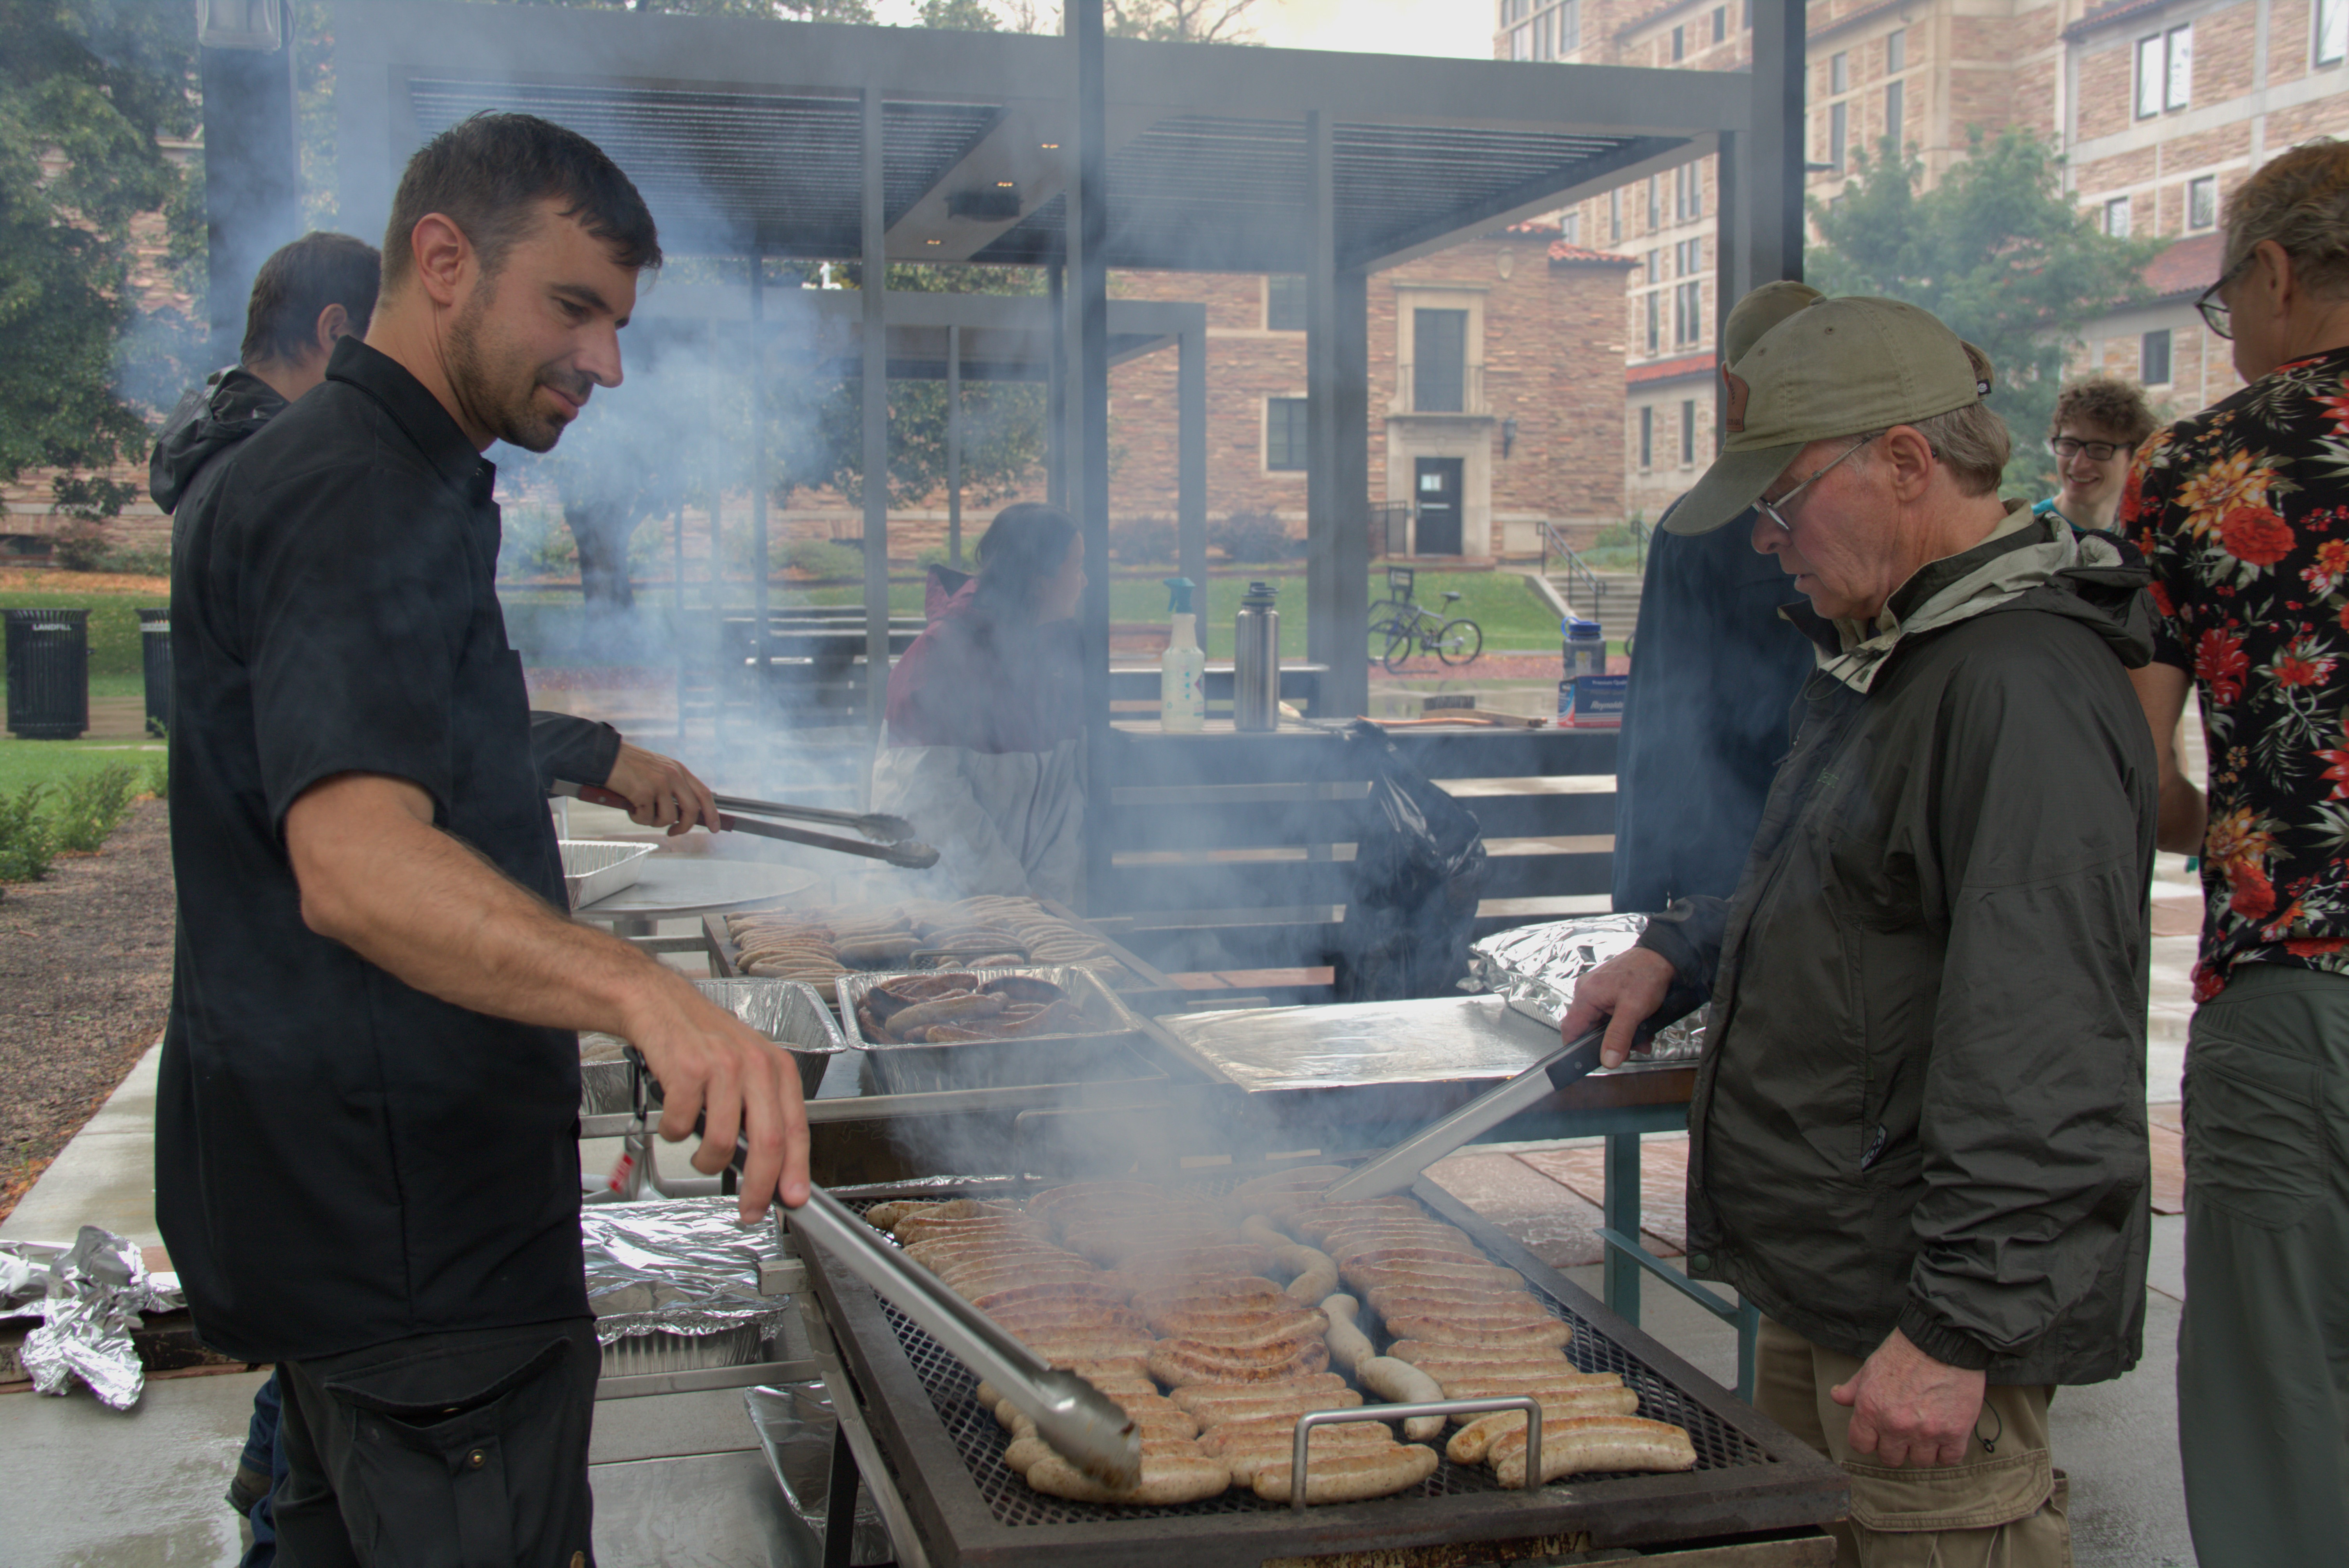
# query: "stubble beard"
501,398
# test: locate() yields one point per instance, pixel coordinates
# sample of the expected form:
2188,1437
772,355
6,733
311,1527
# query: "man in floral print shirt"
2242,512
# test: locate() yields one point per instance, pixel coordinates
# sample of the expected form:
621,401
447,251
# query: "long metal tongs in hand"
1076,1418
905,850
1399,1167
878,826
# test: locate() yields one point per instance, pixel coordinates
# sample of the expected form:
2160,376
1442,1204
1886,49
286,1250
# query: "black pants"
448,1450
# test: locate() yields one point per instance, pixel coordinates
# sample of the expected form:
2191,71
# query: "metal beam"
874,283
1649,155
1191,456
1337,444
954,448
1773,157
252,176
1088,404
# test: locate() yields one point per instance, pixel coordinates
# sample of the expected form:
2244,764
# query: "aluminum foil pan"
795,1426
660,1351
790,1012
596,869
1535,968
680,1266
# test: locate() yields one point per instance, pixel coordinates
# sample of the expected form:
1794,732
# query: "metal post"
761,565
1337,460
677,612
875,284
1089,409
1622,1210
1772,153
251,175
1056,389
954,448
1190,457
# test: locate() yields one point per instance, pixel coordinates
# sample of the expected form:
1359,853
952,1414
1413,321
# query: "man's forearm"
2184,819
429,910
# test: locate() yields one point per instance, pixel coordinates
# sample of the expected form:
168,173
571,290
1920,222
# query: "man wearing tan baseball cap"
1917,1138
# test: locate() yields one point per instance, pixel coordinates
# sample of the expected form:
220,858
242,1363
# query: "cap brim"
1732,484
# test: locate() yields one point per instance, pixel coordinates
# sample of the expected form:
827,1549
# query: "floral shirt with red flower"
2242,514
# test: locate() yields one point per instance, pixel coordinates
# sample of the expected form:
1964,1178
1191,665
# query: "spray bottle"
1183,672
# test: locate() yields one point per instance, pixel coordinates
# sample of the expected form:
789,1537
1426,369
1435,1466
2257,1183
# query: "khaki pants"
2003,1508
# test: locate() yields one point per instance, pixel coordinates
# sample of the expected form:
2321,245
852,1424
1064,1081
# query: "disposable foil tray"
596,869
788,1012
661,1351
1104,1049
947,1451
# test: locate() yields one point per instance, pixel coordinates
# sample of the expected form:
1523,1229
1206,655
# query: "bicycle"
1402,626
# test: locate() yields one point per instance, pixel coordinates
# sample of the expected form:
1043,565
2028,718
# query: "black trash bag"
1417,870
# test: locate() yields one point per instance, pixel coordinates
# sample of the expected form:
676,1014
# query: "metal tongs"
896,844
1399,1167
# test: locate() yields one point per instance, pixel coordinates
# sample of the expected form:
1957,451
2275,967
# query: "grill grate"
980,1440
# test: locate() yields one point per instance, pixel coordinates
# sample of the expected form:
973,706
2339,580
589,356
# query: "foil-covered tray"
795,1427
596,869
1444,1039
658,1350
682,1267
788,1012
1103,1051
1535,969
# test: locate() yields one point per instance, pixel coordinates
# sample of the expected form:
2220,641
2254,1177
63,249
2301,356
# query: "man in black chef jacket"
366,1168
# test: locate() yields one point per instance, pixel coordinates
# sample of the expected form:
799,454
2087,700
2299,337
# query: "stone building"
2160,108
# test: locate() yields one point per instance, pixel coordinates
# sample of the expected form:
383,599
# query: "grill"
947,1450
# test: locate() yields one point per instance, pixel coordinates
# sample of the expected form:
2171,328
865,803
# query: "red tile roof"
1669,369
1560,251
2188,267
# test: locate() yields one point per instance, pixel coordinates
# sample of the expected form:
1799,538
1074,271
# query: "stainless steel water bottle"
1256,661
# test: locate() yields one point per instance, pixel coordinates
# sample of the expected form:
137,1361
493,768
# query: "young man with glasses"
1917,1140
2242,512
2099,424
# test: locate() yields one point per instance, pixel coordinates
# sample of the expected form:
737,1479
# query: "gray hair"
2299,199
1971,442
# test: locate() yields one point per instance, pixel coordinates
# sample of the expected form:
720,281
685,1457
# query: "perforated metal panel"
980,1440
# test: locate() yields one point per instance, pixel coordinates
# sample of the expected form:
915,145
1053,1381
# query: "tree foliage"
1182,21
88,91
1998,252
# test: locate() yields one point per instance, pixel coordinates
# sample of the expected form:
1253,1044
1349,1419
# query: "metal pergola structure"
884,145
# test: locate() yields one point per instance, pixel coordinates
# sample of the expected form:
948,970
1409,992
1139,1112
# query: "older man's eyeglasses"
2216,313
2067,449
1775,510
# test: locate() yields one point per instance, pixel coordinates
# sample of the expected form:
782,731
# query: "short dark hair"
487,172
1026,544
299,281
2109,403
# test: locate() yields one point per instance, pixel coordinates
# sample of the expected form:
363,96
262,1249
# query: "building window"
1655,202
1839,133
1284,434
1839,73
1688,313
2332,31
1439,341
1521,43
2165,71
2116,217
1570,228
1688,192
1656,265
2153,358
1720,23
2202,202
1680,43
1615,214
1284,302
1569,27
1513,11
1895,51
1894,102
1655,321
1647,438
1688,432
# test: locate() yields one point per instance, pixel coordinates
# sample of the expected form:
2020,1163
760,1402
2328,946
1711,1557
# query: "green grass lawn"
27,762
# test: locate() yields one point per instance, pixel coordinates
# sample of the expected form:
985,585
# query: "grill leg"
1749,1325
1622,1209
839,1504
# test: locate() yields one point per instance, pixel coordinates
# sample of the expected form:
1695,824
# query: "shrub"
1253,536
159,778
1146,541
821,558
80,546
534,541
90,804
137,562
25,841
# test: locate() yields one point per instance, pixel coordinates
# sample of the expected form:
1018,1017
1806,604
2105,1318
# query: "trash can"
155,662
49,674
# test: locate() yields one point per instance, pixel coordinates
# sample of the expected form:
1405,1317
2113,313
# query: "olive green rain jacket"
1922,1100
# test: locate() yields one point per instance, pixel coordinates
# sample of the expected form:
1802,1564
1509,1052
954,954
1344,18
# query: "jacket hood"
230,405
2039,563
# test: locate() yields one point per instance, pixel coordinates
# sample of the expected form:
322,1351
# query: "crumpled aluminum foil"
1536,968
682,1266
795,1426
90,1297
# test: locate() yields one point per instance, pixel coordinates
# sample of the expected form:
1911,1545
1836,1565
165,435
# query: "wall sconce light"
1508,434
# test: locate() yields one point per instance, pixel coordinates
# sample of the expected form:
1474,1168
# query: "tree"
1182,21
1999,253
89,91
961,16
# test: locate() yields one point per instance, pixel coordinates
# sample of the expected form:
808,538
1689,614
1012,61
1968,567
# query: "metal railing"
1390,528
1577,571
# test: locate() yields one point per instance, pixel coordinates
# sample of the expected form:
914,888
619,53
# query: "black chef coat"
341,1160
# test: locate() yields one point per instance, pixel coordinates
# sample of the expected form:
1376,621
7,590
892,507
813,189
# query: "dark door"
1436,488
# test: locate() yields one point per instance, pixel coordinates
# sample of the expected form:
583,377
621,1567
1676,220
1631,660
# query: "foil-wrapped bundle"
1535,967
89,1298
684,1267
